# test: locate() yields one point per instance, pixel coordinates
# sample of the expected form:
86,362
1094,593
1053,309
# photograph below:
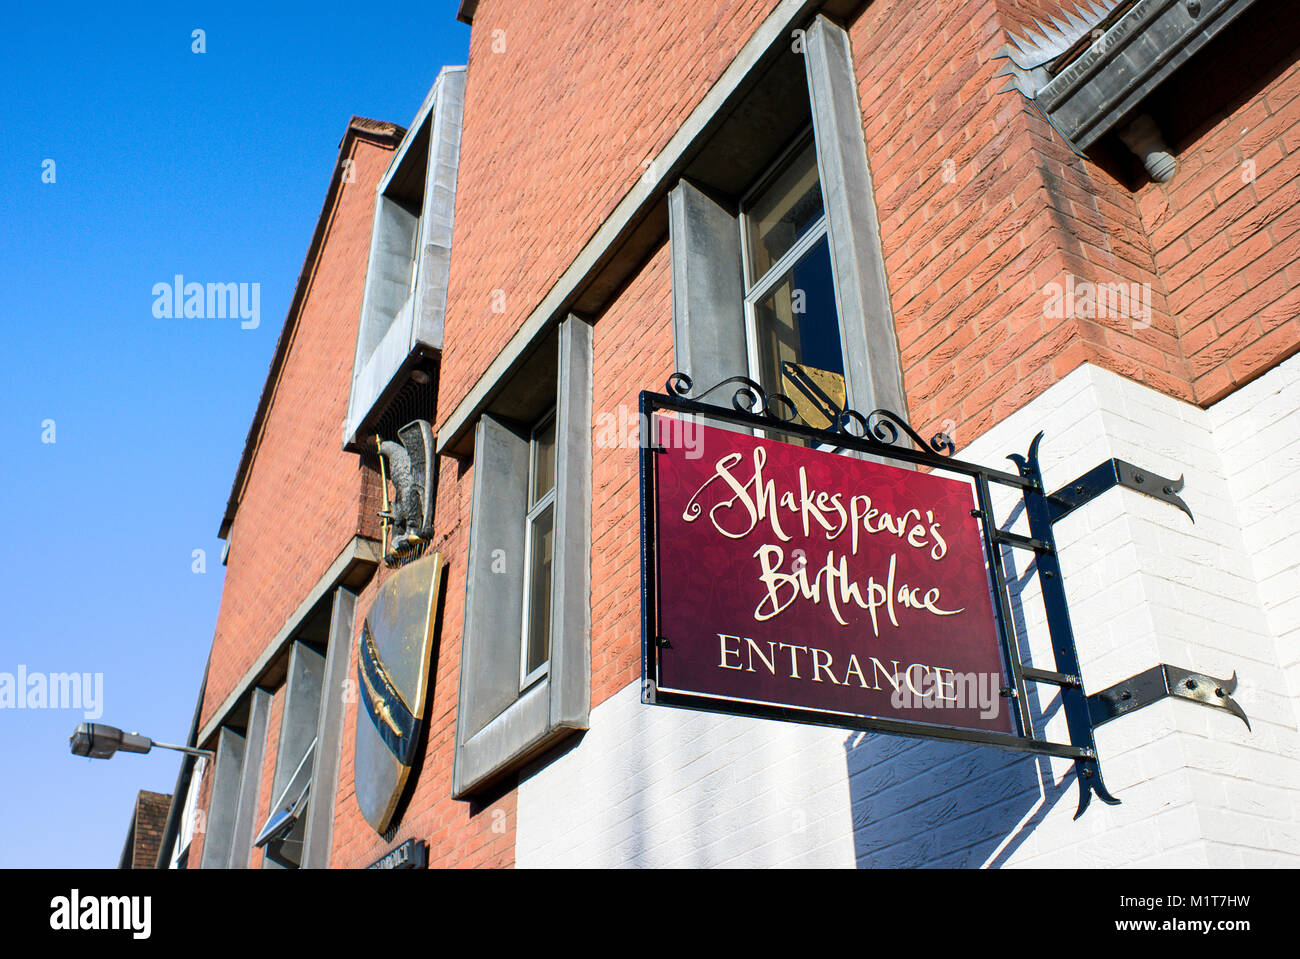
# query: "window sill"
514,737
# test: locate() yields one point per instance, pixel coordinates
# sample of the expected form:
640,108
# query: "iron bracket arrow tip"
1116,472
1158,682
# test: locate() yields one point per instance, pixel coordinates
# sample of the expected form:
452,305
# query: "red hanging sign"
791,577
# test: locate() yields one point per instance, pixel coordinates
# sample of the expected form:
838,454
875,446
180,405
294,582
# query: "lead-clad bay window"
525,671
786,267
405,296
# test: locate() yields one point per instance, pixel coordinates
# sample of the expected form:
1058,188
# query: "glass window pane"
784,212
539,591
797,321
543,462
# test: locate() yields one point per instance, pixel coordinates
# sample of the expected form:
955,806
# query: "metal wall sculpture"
408,518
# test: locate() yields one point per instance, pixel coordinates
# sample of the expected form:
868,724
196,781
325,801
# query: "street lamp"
100,742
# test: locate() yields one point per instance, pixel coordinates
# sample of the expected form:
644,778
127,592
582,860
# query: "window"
282,834
792,322
181,849
236,783
296,832
539,549
405,296
777,269
525,670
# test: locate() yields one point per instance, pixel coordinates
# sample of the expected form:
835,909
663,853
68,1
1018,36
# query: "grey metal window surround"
292,778
226,770
306,767
319,834
236,785
709,321
498,727
250,782
405,297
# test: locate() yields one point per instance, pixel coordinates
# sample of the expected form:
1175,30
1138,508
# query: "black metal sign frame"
879,434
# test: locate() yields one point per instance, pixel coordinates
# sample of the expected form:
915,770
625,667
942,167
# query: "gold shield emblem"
819,396
393,654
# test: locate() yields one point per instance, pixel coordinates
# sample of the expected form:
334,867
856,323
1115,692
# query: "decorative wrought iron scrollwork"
885,424
879,426
749,397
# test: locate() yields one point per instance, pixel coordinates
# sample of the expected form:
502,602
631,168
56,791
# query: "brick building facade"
144,834
571,218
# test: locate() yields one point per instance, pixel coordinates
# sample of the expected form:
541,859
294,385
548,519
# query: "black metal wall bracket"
1115,472
1085,713
1156,683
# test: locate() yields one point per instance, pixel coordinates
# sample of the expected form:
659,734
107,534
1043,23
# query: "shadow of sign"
920,803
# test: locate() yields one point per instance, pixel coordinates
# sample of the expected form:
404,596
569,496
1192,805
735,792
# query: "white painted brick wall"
654,786
1258,434
660,787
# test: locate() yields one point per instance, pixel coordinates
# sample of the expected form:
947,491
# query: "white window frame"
527,678
757,288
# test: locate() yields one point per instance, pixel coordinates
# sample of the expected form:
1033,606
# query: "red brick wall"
1226,229
633,350
557,129
981,206
300,503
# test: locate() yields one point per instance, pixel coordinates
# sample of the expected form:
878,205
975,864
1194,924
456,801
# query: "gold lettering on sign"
757,503
819,666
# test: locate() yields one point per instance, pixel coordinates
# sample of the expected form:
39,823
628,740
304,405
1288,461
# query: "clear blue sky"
167,161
